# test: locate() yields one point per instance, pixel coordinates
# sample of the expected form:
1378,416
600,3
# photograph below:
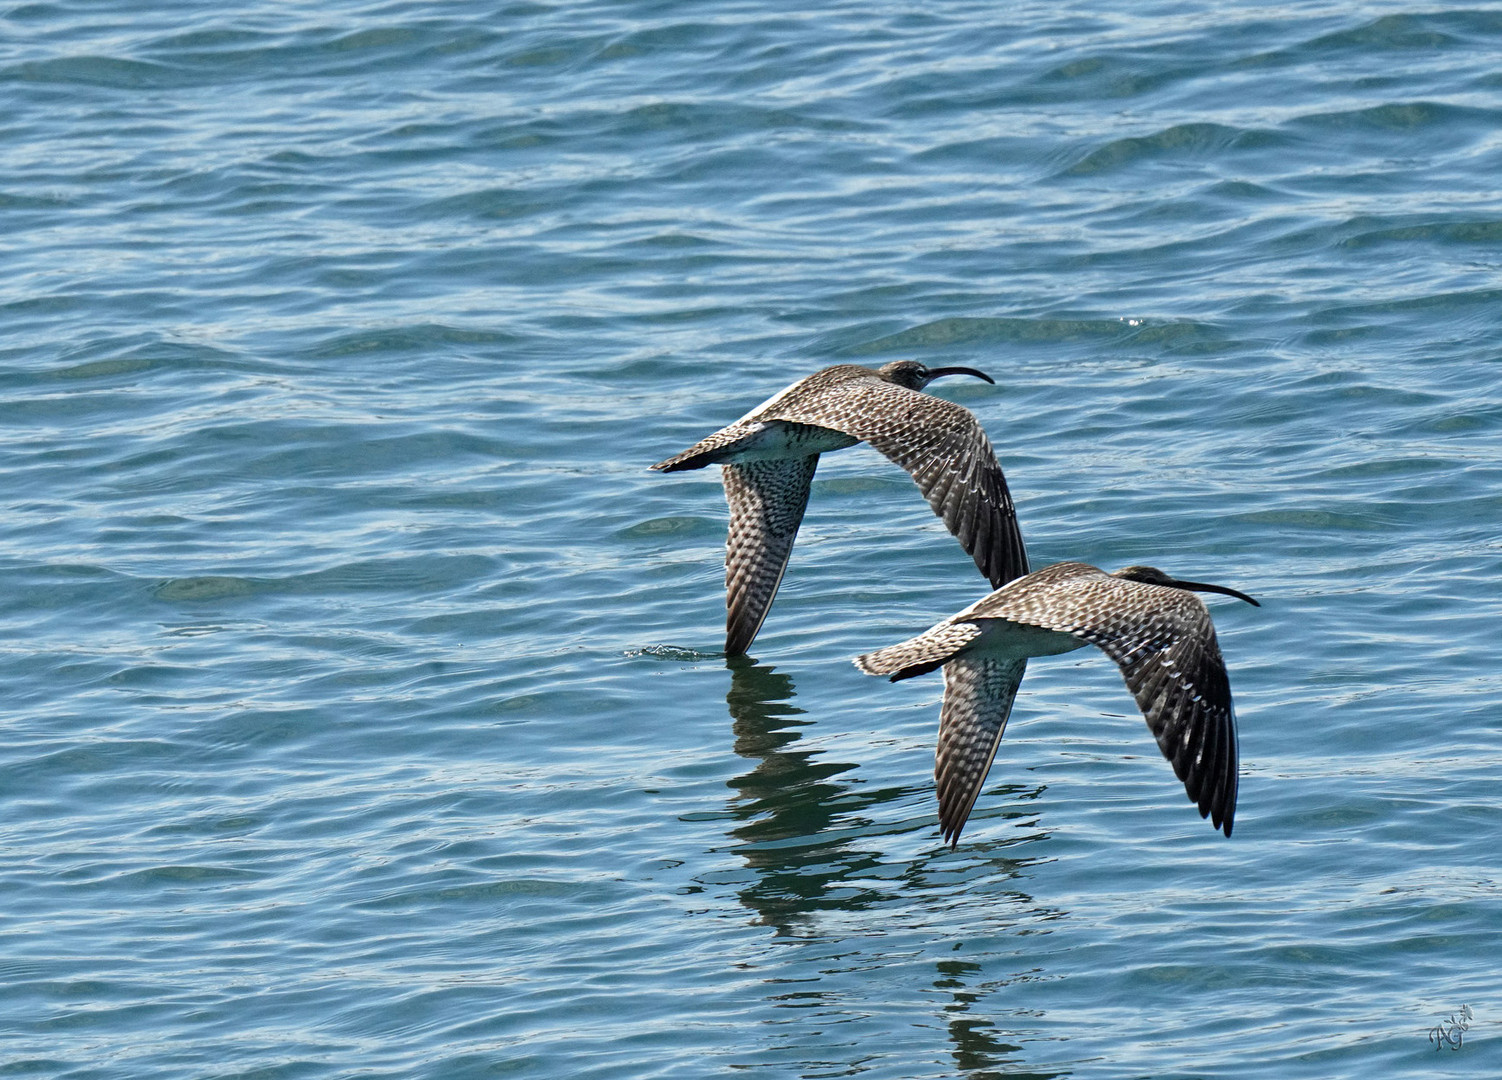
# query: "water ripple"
367,705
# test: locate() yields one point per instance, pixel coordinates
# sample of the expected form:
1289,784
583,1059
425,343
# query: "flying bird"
1153,626
769,456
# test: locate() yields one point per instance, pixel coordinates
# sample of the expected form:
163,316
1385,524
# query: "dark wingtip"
737,639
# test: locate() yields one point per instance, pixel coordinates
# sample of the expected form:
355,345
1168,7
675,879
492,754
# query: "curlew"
1153,626
769,456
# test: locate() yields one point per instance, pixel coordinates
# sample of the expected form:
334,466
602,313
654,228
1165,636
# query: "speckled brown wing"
767,500
1183,691
978,696
1164,642
939,443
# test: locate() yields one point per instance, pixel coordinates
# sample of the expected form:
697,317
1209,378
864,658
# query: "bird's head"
915,376
1151,575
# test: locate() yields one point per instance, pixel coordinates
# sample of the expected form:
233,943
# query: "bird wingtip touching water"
1159,633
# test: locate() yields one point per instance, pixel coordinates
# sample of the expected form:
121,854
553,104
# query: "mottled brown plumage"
1153,626
767,500
769,456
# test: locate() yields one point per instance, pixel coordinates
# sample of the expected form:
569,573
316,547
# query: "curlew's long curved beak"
1200,586
939,372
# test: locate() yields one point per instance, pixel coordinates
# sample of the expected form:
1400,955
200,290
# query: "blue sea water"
364,715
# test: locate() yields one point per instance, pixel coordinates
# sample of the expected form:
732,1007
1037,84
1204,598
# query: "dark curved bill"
938,372
1199,586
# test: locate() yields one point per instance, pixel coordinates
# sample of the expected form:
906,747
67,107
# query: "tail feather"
714,449
687,460
922,654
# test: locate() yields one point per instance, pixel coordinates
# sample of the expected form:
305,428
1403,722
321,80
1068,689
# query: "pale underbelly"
778,440
1004,640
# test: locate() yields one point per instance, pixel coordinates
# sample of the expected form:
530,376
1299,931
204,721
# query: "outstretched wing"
1183,692
978,695
943,448
1164,642
767,500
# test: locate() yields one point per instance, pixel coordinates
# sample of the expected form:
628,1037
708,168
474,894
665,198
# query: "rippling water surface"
365,715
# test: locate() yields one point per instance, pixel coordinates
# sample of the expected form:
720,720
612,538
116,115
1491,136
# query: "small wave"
672,652
682,525
105,71
1181,140
201,589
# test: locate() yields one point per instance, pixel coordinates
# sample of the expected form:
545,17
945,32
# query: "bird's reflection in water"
979,1051
796,824
786,807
